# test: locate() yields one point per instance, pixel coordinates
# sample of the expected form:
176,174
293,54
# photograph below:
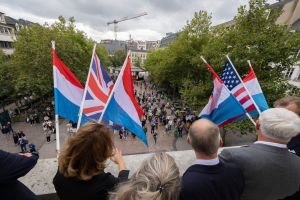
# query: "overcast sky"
92,15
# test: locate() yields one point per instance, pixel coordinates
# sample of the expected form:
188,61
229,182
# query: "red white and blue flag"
233,83
256,92
123,108
98,88
222,107
68,91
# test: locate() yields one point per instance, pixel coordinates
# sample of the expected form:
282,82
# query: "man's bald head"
204,137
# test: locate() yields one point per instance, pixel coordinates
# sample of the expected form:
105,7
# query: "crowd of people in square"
265,170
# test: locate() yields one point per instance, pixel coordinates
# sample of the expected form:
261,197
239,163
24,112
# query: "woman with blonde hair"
82,162
156,179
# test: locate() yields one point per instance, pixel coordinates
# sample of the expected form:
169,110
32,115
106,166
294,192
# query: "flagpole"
257,108
115,86
85,89
56,116
235,98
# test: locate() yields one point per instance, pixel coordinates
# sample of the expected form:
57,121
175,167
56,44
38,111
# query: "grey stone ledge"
39,179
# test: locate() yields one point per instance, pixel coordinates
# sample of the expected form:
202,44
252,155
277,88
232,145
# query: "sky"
91,16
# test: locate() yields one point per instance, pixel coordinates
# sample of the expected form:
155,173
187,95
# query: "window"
4,44
2,30
289,72
1,19
7,30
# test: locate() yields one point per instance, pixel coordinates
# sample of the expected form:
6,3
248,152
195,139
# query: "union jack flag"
99,88
233,83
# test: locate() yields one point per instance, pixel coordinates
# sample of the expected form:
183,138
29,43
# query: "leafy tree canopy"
270,47
118,57
31,64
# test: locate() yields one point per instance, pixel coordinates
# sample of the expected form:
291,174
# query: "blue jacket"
21,142
12,167
31,146
224,181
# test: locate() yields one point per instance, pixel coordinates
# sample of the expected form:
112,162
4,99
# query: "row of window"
4,30
4,44
136,55
289,73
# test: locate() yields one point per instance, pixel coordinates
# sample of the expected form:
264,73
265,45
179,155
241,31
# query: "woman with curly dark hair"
82,162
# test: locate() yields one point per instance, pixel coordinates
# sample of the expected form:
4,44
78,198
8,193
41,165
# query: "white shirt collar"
207,162
271,144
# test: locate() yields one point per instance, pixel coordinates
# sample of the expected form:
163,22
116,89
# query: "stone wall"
39,179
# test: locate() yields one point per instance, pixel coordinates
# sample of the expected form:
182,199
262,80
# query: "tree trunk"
224,137
18,107
42,98
187,78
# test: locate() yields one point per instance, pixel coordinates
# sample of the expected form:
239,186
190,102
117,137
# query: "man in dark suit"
292,104
12,167
208,178
271,171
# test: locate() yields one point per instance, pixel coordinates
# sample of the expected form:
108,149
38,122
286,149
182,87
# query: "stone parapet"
39,179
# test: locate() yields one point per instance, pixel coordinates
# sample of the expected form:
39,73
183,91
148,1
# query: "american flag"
233,83
99,88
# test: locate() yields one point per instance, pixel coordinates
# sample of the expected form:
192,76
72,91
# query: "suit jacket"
12,167
294,145
224,181
68,188
270,172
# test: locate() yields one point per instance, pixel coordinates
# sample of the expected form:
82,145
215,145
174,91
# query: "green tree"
118,57
270,47
32,60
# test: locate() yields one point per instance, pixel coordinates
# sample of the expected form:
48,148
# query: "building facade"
6,35
112,45
170,37
135,53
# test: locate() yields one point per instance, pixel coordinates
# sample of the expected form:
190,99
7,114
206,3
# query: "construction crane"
115,22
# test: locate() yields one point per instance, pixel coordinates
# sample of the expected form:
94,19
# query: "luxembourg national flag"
222,107
68,91
123,108
254,89
99,87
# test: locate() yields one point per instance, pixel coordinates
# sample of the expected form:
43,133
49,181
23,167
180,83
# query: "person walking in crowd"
48,136
152,128
167,128
69,129
145,129
9,127
120,134
170,124
125,133
36,118
31,147
49,124
270,170
31,119
82,163
155,137
45,127
16,138
208,178
12,167
180,131
22,144
46,118
21,134
5,131
74,127
156,178
292,104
